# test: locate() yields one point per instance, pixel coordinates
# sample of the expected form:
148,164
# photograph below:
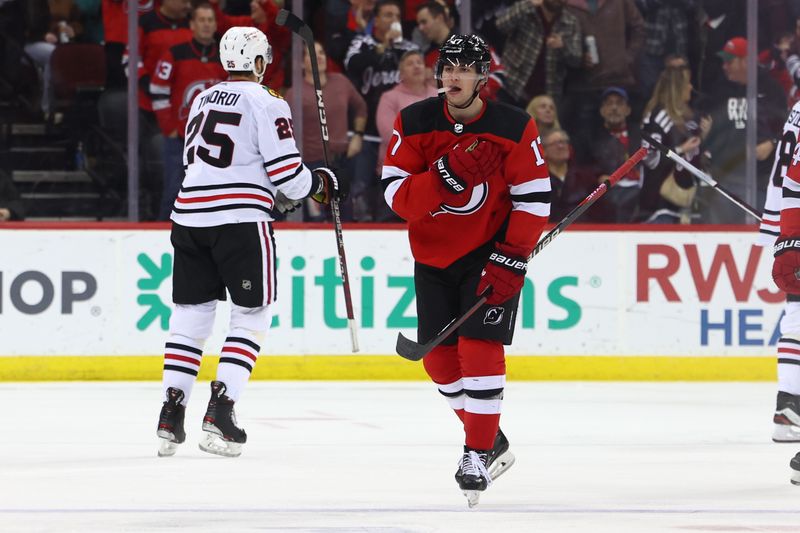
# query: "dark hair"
203,4
381,3
436,9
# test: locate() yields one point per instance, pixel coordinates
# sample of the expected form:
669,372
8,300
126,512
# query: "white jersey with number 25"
239,151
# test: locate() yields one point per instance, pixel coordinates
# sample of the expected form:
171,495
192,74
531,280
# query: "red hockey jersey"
183,72
115,18
157,34
519,192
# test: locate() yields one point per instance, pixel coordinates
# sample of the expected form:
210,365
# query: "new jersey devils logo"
190,92
476,200
494,315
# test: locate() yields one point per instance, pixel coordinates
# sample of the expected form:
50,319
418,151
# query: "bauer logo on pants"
494,315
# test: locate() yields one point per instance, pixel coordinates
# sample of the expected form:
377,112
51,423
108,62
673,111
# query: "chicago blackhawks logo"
476,200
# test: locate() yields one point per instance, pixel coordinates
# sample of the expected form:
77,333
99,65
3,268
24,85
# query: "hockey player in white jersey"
778,209
239,155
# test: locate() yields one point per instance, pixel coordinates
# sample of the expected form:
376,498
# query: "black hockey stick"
414,351
296,25
702,176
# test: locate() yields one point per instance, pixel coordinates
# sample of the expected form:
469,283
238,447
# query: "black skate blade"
408,349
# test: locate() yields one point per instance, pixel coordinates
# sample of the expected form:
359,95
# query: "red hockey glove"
786,268
467,166
328,185
505,272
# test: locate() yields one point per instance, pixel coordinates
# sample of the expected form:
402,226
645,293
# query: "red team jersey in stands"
157,34
183,72
519,193
115,18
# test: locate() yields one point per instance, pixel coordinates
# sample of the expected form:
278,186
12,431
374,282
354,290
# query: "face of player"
556,147
383,19
322,59
545,111
412,70
203,25
459,81
614,110
430,26
736,69
176,9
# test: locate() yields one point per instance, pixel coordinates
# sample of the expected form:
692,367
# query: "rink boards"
629,303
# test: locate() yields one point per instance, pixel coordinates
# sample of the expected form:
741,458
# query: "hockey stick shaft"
414,351
702,176
296,25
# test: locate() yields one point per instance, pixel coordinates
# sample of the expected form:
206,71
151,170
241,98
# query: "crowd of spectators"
595,74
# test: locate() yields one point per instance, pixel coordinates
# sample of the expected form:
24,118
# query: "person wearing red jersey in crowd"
184,70
158,31
115,33
262,16
432,21
468,176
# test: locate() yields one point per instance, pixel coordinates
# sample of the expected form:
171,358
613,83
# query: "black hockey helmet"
466,50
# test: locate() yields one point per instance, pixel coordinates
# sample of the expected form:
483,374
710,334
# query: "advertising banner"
589,293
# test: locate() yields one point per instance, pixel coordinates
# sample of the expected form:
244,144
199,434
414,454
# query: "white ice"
379,457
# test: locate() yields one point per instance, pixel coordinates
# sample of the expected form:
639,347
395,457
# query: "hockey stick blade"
414,351
295,24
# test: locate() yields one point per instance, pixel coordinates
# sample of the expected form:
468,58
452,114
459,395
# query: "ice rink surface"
333,457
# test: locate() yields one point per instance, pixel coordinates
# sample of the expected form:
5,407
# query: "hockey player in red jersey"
468,176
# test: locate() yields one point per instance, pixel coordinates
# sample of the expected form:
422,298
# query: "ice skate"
787,418
170,423
794,464
500,457
223,436
472,476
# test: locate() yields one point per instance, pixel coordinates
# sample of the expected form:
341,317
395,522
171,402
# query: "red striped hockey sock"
182,357
236,361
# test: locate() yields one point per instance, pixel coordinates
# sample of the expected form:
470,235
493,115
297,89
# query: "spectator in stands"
667,24
183,72
569,182
612,143
341,101
723,20
10,204
159,30
727,107
543,40
412,88
50,22
434,22
373,65
343,22
262,16
543,109
668,190
617,29
115,29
